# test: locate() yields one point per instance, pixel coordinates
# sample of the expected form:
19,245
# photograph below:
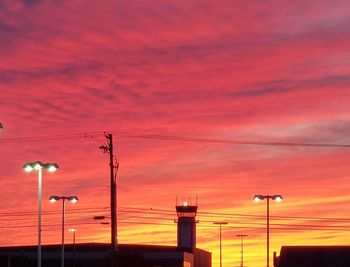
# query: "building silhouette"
313,256
185,254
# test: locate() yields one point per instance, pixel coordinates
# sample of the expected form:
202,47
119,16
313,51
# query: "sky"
200,97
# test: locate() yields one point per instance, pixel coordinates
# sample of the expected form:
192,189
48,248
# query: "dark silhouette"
313,256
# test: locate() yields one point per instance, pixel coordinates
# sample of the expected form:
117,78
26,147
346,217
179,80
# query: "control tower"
186,226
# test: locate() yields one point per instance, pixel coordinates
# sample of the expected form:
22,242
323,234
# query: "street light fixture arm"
72,199
37,165
277,198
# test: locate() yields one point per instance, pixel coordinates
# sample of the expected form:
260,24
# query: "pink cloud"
249,71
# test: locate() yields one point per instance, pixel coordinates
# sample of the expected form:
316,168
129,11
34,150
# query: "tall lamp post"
277,198
72,199
220,224
73,230
39,166
242,255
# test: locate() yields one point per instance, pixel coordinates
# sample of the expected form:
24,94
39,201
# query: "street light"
242,257
39,166
277,198
220,224
73,230
72,199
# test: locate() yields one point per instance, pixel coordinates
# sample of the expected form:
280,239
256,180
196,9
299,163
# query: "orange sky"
275,71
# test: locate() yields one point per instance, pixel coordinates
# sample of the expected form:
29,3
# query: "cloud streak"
255,71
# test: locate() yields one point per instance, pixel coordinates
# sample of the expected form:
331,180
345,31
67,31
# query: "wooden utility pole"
113,200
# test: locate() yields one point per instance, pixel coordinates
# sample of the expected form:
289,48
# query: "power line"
76,213
226,141
166,212
206,224
53,212
127,134
249,223
237,215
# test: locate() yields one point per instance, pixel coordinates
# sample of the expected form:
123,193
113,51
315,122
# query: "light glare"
37,166
52,168
27,168
73,199
278,198
258,198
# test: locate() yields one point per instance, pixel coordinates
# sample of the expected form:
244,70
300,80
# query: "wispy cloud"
243,70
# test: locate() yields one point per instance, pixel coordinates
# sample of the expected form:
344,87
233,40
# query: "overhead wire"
187,139
62,137
235,215
237,224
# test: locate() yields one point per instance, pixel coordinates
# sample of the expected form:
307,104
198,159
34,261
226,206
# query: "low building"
185,254
313,256
98,255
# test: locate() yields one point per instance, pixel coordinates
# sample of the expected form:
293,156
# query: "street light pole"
72,199
277,198
268,231
74,231
39,166
40,192
242,255
220,224
63,213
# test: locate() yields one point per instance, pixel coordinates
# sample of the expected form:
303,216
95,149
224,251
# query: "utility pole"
242,237
113,176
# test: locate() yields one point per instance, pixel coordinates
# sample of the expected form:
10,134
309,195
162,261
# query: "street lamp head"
30,166
27,167
37,165
73,199
220,223
53,199
258,198
277,198
51,167
72,229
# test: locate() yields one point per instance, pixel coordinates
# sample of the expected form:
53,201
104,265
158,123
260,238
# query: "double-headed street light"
39,166
277,198
72,199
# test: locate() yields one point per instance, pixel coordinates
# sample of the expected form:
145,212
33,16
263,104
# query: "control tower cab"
186,226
